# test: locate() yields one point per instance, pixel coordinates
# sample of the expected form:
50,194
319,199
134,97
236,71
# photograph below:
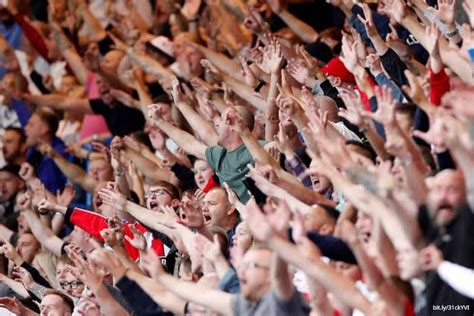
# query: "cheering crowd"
236,157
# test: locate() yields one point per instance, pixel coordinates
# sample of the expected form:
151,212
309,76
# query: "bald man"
448,222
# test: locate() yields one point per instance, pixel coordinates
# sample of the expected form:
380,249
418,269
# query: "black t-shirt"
456,242
121,120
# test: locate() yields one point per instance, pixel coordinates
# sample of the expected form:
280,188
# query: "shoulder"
213,154
294,306
240,306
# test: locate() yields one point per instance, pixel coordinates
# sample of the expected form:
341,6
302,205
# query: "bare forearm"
200,126
449,55
271,111
46,237
301,122
16,287
377,143
108,305
372,274
75,173
219,103
184,140
221,266
149,169
151,67
258,153
245,92
94,26
301,29
214,299
76,64
281,280
145,216
121,180
57,223
144,96
59,102
222,62
304,195
158,293
379,44
331,280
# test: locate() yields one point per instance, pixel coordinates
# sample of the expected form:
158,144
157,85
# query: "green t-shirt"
231,167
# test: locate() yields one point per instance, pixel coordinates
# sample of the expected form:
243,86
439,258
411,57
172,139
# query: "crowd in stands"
236,157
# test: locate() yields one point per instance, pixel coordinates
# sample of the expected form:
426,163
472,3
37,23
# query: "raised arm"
151,219
372,275
73,59
213,299
72,171
184,140
378,42
399,11
325,275
43,234
147,63
59,102
239,87
150,169
202,127
276,191
300,28
158,293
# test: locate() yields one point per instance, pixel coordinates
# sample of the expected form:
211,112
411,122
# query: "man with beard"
10,185
447,222
14,145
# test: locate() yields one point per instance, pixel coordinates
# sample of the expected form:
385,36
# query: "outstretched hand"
114,199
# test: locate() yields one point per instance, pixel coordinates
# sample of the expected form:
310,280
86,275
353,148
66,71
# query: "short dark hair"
330,211
407,108
142,137
19,131
364,146
50,118
14,169
66,299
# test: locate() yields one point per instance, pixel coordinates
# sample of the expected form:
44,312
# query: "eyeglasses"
73,284
253,265
157,192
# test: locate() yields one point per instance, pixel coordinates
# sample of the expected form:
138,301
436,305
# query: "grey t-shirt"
270,304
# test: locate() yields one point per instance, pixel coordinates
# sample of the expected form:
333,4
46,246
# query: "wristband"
451,33
259,86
